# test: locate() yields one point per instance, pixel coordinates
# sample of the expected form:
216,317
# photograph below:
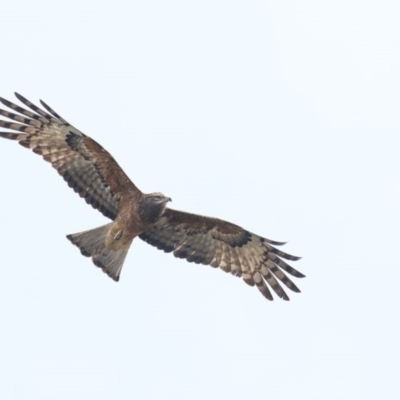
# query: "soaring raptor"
94,174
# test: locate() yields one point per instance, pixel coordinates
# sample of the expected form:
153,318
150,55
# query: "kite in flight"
94,174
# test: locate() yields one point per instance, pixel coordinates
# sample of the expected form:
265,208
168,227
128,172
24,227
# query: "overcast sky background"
282,117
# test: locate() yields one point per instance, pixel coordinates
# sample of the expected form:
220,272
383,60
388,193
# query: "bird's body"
94,174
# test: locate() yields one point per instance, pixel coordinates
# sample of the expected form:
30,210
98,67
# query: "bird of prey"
94,174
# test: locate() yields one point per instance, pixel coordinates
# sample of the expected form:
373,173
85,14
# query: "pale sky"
281,117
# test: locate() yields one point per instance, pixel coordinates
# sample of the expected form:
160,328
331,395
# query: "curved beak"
165,200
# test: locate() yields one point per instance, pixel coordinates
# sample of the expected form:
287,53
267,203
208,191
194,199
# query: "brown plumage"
94,174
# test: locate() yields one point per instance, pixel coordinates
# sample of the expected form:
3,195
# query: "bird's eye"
157,198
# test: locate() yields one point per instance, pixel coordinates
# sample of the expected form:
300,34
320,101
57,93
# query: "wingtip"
20,97
275,243
283,296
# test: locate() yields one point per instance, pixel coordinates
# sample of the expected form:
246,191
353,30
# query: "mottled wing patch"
218,243
87,168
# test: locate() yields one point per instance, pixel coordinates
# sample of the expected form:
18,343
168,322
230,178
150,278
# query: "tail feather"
91,243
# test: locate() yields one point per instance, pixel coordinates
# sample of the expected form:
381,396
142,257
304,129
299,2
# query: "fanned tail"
92,244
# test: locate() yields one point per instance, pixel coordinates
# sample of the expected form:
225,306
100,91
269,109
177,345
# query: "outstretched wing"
218,243
87,168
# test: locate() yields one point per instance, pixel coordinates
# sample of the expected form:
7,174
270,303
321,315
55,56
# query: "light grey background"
282,117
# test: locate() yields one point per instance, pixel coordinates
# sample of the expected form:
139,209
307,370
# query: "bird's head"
152,206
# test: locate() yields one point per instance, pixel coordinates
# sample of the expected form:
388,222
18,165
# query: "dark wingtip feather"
268,298
49,109
9,135
282,296
274,242
20,97
284,255
294,258
4,101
